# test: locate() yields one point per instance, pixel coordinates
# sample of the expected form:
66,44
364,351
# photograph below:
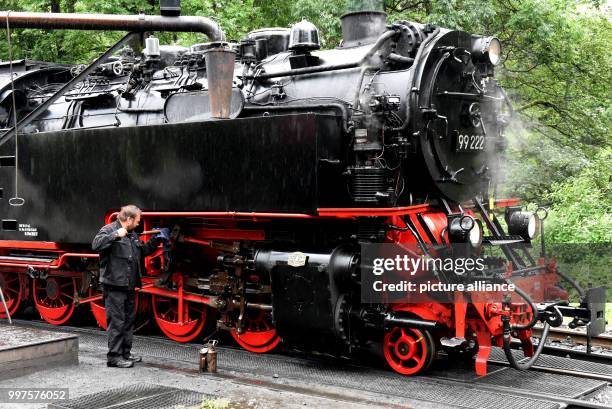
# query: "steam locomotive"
274,163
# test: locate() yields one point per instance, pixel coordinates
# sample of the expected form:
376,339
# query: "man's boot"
132,358
120,363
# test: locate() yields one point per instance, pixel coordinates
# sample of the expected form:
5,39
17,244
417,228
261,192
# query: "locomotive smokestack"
170,8
364,22
220,75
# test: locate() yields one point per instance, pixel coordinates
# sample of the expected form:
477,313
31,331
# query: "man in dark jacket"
121,255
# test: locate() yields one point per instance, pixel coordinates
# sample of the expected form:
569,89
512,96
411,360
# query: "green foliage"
556,69
369,5
582,206
215,404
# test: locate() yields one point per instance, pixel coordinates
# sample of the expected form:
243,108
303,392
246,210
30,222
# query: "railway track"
578,337
556,383
564,342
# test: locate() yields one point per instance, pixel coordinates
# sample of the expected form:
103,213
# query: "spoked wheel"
99,312
179,327
141,305
408,351
259,333
54,298
13,288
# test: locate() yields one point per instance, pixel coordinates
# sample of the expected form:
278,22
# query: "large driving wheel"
13,287
181,323
408,351
259,334
54,298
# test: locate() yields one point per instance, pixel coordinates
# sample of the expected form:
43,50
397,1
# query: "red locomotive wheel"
175,327
260,335
99,313
13,288
408,351
141,305
54,298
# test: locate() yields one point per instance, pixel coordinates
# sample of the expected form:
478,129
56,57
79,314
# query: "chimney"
364,22
220,74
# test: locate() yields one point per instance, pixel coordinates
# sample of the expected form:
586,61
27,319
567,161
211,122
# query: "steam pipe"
340,107
508,328
131,23
401,59
409,322
305,70
417,58
324,68
521,366
367,67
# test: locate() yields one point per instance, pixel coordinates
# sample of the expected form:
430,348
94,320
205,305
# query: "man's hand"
121,233
164,234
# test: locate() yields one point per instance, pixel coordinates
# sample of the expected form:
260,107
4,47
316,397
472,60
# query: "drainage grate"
139,396
554,384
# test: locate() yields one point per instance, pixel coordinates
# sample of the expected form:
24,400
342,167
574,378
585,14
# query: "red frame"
481,318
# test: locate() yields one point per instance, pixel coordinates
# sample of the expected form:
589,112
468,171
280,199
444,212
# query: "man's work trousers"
120,315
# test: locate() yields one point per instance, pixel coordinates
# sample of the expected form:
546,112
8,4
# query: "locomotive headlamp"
487,49
466,223
464,229
522,224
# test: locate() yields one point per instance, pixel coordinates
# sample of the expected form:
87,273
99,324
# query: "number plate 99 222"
469,142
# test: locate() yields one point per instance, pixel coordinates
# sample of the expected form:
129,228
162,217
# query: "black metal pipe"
287,107
357,98
521,366
258,306
417,58
334,67
391,319
378,44
305,70
132,23
400,58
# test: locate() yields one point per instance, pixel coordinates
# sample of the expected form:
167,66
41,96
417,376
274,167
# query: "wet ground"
226,389
245,380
